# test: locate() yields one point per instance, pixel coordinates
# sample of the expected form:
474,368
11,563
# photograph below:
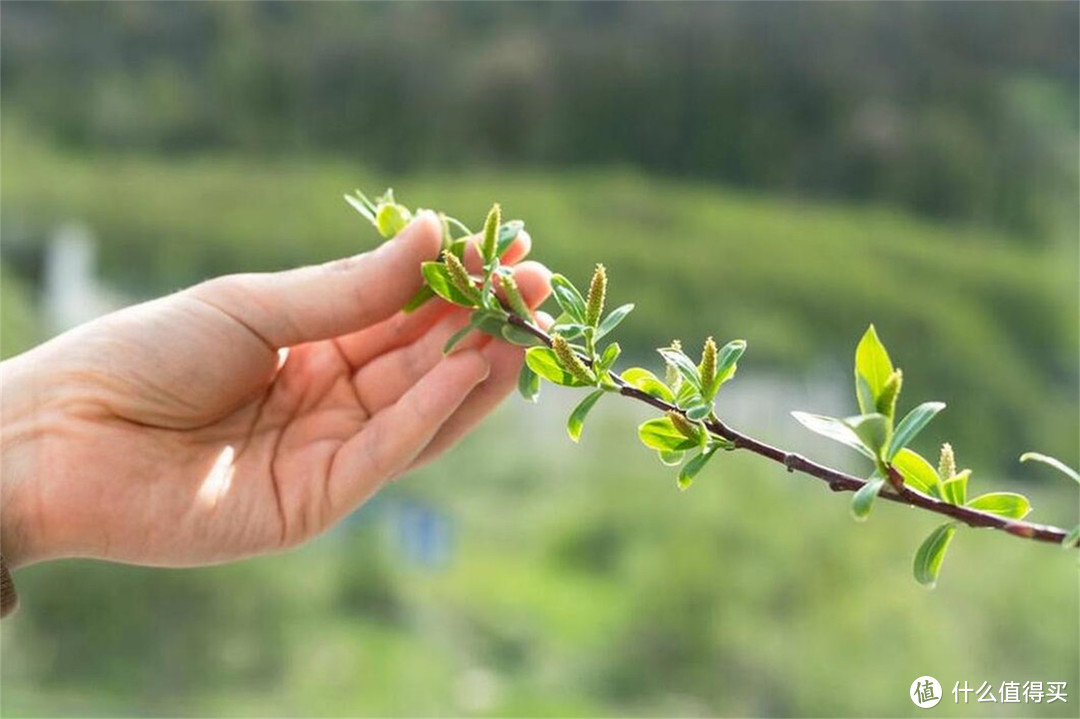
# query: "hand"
176,433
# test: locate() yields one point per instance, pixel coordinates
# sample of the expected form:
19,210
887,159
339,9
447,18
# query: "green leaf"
507,232
698,412
544,362
872,430
1053,462
474,322
1004,504
687,395
911,425
568,297
917,472
608,357
438,278
362,208
954,491
528,383
834,429
931,553
391,218
613,319
682,363
727,361
577,418
863,501
516,335
1072,538
647,382
422,295
660,434
670,458
693,467
873,364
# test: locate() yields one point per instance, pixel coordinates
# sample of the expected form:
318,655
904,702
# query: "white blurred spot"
218,479
282,357
477,690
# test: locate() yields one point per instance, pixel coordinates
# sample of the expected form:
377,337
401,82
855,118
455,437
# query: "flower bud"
947,464
513,296
570,361
686,428
594,305
491,233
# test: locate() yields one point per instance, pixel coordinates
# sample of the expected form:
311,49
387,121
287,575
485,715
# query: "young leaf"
647,382
1003,504
698,412
528,383
415,302
1053,462
507,233
569,299
516,335
872,363
608,357
834,429
931,553
670,458
917,472
863,501
660,434
438,278
613,319
693,467
474,322
542,361
729,357
954,491
1072,538
683,364
911,425
871,429
362,208
686,395
577,418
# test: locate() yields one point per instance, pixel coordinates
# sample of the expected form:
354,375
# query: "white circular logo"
925,692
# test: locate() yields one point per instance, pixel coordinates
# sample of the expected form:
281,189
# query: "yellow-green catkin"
686,428
459,276
594,305
947,464
886,401
707,368
570,361
513,296
491,233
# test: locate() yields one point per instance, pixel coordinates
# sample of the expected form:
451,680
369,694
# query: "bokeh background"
783,173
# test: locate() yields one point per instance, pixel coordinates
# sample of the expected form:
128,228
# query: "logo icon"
925,692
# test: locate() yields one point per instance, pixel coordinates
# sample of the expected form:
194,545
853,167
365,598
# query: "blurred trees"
965,111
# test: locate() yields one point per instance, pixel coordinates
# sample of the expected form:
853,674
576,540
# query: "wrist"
22,537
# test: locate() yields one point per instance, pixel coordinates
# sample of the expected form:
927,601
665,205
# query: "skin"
178,432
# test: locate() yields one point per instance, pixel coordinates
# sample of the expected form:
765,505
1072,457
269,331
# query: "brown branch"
895,491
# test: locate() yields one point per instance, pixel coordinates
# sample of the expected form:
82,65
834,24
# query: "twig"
838,481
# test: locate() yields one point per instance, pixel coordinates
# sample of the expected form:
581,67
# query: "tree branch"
895,491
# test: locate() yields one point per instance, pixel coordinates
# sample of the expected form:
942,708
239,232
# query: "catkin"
686,428
459,276
594,305
707,368
513,296
491,232
886,401
570,361
947,464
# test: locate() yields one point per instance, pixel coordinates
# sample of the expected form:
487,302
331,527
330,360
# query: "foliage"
689,434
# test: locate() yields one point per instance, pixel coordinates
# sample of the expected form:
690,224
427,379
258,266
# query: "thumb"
322,301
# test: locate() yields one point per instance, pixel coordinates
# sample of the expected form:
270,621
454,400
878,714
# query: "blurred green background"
783,173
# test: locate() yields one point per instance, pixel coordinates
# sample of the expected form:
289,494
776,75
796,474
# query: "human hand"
172,433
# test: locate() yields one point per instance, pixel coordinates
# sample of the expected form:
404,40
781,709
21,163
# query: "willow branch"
838,481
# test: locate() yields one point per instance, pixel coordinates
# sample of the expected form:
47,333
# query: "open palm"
179,431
